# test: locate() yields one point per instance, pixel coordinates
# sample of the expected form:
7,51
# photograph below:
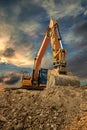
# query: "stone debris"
57,108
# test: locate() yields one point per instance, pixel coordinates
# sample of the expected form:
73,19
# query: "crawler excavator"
42,78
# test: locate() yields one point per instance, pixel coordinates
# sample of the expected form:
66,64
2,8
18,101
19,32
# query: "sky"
24,22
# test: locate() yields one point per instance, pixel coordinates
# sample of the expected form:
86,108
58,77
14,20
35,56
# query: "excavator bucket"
56,79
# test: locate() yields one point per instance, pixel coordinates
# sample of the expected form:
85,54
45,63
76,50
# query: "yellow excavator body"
26,81
59,74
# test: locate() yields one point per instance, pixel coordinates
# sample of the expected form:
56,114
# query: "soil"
56,108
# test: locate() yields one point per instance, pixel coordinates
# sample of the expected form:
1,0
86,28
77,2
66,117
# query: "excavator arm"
59,54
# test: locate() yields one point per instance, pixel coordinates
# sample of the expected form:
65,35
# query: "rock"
83,106
2,118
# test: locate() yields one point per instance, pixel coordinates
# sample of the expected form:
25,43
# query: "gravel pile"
58,108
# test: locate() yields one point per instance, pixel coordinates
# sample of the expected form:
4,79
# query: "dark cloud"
7,3
9,78
32,11
16,11
84,3
78,64
23,43
9,52
8,7
81,30
14,79
57,1
21,38
80,33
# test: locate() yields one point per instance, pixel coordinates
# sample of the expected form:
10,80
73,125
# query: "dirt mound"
78,123
58,108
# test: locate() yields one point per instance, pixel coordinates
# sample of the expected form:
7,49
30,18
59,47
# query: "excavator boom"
40,54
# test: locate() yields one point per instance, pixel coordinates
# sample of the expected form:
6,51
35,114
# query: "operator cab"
42,79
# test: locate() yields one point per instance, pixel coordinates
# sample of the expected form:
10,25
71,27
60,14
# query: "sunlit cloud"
3,60
20,60
31,28
62,8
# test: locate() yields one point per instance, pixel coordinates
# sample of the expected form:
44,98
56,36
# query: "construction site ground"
57,108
